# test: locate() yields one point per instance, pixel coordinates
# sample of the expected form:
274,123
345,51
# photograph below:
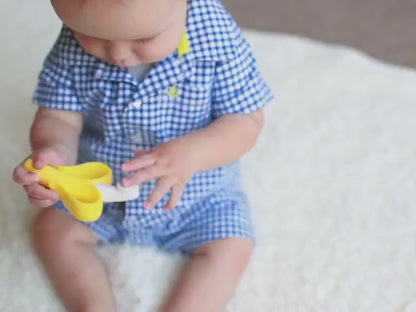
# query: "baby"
168,93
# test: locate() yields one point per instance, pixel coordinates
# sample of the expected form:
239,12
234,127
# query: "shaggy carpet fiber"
332,183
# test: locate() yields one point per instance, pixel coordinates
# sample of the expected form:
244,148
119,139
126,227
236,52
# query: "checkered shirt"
180,94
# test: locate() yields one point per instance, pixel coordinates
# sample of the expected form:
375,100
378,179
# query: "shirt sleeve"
238,86
55,86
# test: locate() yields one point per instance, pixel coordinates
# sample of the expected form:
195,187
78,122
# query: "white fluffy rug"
332,183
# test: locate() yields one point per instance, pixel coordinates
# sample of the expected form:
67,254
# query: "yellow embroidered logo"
173,92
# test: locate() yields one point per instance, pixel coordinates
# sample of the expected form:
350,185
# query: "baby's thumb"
42,158
38,162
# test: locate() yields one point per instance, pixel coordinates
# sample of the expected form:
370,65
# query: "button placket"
137,103
137,138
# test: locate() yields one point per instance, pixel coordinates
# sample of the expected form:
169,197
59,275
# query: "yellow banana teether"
75,186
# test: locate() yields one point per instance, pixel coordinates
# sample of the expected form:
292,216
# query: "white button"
137,104
138,138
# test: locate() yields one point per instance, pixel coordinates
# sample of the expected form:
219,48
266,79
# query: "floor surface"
382,28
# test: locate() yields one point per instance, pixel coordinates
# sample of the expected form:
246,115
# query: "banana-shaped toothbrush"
83,188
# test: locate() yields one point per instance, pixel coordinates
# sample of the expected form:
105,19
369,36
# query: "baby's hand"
170,164
38,195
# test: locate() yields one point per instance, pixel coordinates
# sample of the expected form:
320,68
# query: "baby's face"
125,32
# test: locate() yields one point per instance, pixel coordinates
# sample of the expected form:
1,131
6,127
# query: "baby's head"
125,32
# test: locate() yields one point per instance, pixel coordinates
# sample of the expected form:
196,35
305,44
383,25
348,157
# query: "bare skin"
67,247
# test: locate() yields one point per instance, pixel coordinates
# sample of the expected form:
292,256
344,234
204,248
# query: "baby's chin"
132,63
129,64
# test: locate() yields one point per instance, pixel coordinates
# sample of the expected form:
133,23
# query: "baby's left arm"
225,140
238,93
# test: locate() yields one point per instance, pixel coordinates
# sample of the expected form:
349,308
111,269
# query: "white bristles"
117,193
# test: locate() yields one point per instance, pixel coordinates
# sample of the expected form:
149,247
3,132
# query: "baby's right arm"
54,139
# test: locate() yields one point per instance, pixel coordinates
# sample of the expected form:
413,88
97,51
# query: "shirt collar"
210,31
209,37
165,74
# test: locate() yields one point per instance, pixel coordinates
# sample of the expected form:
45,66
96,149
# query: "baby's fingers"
41,203
162,187
142,161
38,192
175,196
144,175
23,177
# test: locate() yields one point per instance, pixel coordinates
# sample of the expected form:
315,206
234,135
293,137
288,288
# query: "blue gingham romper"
180,94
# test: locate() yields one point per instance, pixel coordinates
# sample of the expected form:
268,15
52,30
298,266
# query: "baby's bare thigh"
52,225
216,266
227,247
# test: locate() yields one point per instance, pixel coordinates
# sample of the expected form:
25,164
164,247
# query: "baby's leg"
66,248
210,277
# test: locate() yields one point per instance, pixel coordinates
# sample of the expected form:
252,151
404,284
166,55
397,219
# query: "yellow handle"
74,185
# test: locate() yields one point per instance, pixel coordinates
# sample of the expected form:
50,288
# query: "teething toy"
83,188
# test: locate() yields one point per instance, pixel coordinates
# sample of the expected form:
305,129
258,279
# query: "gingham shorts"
224,214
